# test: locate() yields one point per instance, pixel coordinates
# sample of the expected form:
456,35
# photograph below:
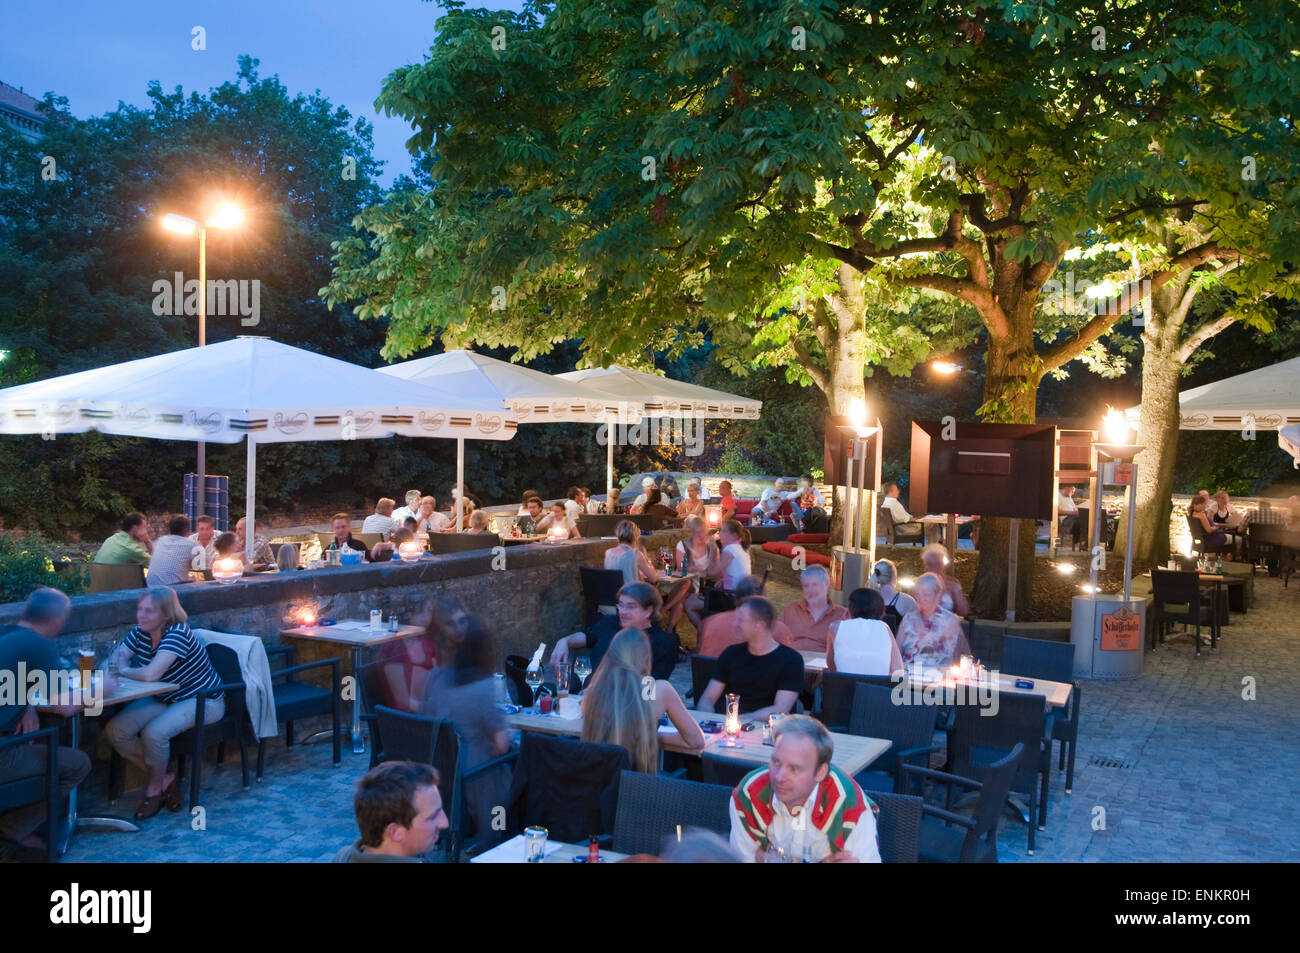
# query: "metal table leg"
358,739
78,823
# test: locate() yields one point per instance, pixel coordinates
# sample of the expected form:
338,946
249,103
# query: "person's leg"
694,606
27,761
123,730
156,736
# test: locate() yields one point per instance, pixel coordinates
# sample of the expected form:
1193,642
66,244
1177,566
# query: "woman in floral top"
931,635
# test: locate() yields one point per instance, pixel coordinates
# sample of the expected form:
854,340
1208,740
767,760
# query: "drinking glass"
85,655
582,668
534,844
533,678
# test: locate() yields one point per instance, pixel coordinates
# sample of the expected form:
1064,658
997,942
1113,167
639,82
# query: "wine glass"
533,677
582,668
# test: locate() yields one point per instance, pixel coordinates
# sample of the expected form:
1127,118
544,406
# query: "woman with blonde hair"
935,560
161,647
617,709
628,557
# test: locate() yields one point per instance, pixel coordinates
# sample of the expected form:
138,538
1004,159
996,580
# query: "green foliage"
27,562
735,459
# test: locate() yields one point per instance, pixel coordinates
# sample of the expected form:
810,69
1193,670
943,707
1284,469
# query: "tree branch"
1203,334
809,364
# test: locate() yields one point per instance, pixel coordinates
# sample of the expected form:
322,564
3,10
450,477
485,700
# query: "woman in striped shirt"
161,647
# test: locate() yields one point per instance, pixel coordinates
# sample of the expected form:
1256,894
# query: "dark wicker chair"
39,787
898,826
295,700
950,837
1177,597
702,668
979,740
1054,661
1199,546
570,787
727,772
599,588
650,808
899,533
910,728
431,741
443,543
837,696
110,577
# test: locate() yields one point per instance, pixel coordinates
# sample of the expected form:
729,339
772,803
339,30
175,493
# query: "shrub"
27,562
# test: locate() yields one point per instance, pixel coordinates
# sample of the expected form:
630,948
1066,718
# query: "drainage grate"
1097,762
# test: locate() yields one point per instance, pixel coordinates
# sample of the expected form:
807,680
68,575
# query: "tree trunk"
841,333
1158,435
1010,396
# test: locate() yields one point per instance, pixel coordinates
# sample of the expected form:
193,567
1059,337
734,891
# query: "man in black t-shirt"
767,675
29,647
639,605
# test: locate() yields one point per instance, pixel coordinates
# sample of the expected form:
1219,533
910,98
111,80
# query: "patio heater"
1108,630
852,559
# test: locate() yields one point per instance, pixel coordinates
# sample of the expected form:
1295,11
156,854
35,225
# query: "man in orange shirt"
810,618
722,629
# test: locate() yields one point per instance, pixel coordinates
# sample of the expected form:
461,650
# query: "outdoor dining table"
948,524
123,690
356,635
556,852
521,540
852,752
1222,584
1056,693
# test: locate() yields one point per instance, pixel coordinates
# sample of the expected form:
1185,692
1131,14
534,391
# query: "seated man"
28,647
727,502
381,520
262,555
399,811
894,506
1068,510
528,523
647,484
639,607
722,629
174,555
801,807
767,675
412,508
769,503
205,535
341,526
478,523
808,507
809,620
130,544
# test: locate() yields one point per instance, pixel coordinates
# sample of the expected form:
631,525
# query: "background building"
21,111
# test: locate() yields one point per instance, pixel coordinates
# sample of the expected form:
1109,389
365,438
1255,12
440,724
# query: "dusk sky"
97,53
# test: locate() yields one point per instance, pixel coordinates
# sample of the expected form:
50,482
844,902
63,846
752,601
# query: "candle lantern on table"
557,534
226,570
409,551
713,513
731,727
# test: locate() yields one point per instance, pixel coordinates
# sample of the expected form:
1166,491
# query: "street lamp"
226,215
857,426
1119,449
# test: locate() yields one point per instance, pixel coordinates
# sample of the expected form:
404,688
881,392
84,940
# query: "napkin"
570,707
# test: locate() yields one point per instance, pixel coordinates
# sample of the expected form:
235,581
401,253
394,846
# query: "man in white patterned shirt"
173,555
412,508
381,520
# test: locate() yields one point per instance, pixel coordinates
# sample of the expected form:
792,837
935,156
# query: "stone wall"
536,596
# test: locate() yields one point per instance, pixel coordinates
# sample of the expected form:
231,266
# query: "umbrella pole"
609,457
460,482
250,494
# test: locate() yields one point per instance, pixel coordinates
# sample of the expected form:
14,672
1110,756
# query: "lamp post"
853,505
1119,450
224,216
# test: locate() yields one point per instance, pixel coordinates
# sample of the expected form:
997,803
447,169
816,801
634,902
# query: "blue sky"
97,53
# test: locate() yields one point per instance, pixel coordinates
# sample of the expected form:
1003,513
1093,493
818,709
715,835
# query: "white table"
557,852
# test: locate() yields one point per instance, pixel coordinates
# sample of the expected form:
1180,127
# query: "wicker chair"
21,792
651,808
950,837
837,696
898,827
910,728
1177,597
727,772
702,669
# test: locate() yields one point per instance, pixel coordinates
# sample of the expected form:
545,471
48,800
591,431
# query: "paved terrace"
1189,770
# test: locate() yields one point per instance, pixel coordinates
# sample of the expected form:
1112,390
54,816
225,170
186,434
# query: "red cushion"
808,538
743,507
787,549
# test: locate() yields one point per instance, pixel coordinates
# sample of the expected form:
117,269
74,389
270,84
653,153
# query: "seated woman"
731,566
383,552
617,710
639,606
935,560
463,689
1211,534
660,514
161,647
884,579
628,557
478,522
558,517
691,504
286,560
931,636
862,644
405,664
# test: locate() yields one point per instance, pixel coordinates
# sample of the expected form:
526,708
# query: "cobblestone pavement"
1203,775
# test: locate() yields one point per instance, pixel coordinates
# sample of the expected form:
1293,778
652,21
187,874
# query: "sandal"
150,805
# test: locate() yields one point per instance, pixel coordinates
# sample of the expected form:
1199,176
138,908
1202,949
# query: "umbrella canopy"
250,386
1288,438
1270,397
533,397
636,393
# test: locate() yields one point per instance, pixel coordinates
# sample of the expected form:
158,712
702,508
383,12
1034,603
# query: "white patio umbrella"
250,388
1267,398
631,394
1288,438
531,396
